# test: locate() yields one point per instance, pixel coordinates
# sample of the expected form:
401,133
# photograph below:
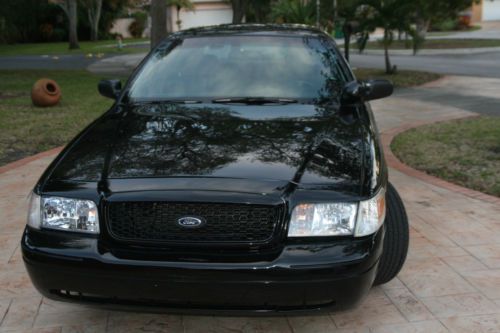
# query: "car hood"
299,144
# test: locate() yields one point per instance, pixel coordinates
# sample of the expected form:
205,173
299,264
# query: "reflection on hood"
297,143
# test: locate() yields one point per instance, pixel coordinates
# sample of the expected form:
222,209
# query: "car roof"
251,29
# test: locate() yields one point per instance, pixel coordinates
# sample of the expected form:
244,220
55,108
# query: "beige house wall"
477,12
120,27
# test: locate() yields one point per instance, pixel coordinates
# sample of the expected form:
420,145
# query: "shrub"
445,25
137,27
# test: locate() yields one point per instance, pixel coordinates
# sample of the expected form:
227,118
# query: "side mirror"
110,88
367,90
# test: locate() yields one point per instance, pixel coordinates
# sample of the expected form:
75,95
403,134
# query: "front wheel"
396,238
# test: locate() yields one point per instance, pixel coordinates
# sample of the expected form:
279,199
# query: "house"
205,12
486,10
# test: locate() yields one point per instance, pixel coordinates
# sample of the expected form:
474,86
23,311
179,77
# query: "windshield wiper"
254,100
169,101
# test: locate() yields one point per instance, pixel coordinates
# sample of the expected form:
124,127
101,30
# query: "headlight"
63,214
338,219
325,219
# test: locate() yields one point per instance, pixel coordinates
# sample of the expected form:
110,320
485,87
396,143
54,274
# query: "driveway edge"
26,160
388,136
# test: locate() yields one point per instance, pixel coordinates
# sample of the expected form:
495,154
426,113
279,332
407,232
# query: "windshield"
295,67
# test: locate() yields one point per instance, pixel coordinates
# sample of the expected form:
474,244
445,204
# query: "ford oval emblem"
190,222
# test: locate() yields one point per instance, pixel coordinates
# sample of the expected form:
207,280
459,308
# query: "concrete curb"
393,162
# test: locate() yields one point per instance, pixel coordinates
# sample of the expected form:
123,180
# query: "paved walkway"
450,283
479,95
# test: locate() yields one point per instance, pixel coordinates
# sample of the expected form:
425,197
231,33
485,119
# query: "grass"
435,44
402,79
465,152
26,130
102,46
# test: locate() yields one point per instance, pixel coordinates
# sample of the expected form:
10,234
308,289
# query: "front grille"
158,222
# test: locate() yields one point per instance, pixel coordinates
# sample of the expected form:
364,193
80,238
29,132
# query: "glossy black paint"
298,277
110,88
367,90
231,153
295,143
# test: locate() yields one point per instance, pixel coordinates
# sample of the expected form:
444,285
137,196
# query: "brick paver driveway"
451,281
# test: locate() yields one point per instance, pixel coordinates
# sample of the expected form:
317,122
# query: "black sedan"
239,169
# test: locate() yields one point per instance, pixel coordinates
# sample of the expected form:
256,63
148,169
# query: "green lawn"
102,46
26,130
465,152
402,79
437,44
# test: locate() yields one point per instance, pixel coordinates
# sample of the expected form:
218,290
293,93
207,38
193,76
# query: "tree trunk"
73,23
94,30
388,66
239,10
347,45
422,27
158,21
179,22
94,13
318,11
347,30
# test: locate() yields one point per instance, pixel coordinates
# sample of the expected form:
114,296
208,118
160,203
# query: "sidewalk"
479,95
450,283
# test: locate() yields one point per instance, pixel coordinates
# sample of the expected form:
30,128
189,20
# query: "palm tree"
391,15
349,11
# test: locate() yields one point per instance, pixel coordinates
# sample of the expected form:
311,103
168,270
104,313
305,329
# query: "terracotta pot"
45,92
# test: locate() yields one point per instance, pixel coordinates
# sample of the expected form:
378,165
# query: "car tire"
396,238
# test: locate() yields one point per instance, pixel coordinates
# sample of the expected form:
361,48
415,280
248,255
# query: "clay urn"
45,92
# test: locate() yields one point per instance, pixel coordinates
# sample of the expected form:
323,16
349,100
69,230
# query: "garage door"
491,10
203,17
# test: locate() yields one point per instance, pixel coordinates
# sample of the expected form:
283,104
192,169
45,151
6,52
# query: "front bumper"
332,275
